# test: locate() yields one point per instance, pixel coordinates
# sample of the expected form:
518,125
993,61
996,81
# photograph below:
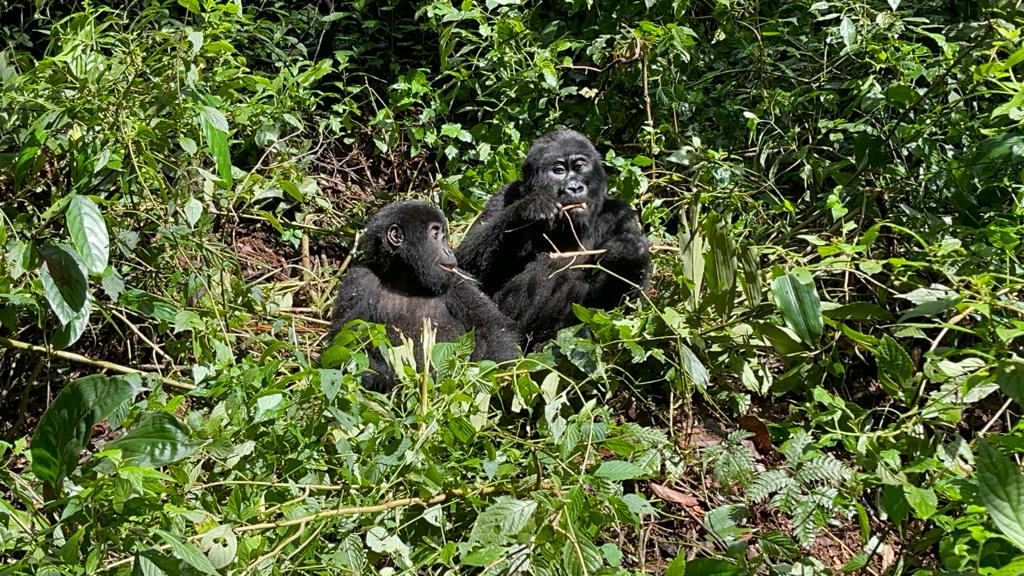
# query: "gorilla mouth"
581,207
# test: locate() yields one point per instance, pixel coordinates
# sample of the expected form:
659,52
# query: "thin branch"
72,357
556,255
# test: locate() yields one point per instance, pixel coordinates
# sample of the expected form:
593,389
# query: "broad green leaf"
619,470
895,368
63,279
502,521
1001,488
188,552
677,567
193,210
215,130
638,504
158,439
923,501
712,567
89,233
330,382
1010,376
69,333
220,545
67,423
693,367
155,563
797,299
857,311
848,32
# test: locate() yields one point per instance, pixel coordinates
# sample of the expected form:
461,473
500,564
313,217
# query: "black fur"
399,285
508,246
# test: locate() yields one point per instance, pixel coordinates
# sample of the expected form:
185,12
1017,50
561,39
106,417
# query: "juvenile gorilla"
559,205
404,271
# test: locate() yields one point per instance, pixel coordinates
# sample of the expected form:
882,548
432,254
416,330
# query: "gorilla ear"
395,235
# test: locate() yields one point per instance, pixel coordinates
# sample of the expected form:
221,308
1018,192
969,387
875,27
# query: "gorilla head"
565,166
406,246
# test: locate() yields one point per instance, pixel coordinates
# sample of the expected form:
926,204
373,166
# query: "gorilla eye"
558,169
436,231
579,165
395,235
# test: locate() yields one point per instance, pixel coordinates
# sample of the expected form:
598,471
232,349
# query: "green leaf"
619,470
1010,376
693,367
797,299
89,233
677,567
155,563
720,270
63,279
188,552
215,129
1001,488
712,567
158,439
895,368
848,32
69,333
923,501
330,382
66,425
502,521
691,259
220,545
753,287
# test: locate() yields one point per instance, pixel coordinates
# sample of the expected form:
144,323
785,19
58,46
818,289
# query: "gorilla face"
564,166
406,245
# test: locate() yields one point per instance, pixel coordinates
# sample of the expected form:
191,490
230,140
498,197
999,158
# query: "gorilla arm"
627,254
496,338
498,244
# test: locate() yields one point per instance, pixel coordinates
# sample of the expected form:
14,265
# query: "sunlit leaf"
1001,488
89,233
797,299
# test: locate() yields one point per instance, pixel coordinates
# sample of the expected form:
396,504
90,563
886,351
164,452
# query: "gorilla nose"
575,189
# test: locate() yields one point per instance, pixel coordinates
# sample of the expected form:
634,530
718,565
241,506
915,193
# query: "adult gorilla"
519,248
403,272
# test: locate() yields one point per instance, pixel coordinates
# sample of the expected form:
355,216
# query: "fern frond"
768,483
825,468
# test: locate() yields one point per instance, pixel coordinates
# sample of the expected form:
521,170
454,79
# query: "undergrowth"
824,375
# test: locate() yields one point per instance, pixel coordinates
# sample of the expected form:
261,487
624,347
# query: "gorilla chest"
406,313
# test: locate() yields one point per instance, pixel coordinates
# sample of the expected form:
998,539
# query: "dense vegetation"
824,375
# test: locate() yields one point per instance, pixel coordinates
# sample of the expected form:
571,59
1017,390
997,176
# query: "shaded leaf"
188,552
64,428
64,283
158,439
